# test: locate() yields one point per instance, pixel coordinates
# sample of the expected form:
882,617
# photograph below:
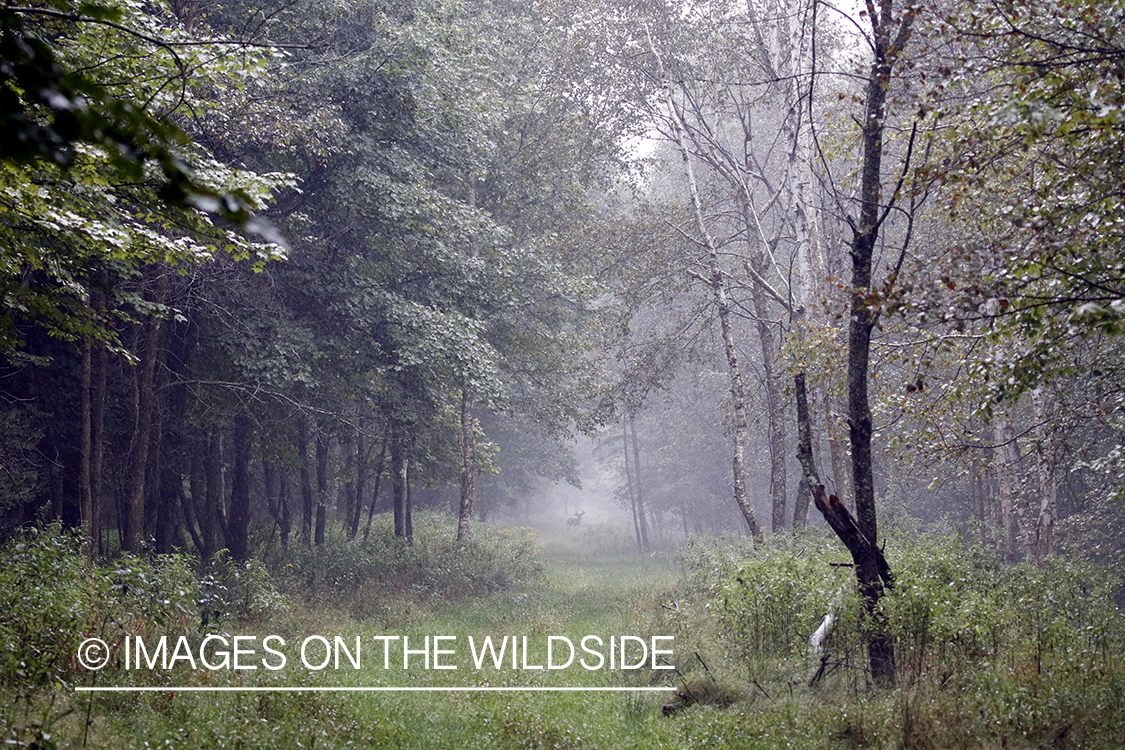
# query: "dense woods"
183,385
283,276
265,262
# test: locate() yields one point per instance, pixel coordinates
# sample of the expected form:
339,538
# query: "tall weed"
771,597
361,574
989,654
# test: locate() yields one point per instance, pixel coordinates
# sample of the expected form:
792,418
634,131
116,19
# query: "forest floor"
1063,688
594,584
584,593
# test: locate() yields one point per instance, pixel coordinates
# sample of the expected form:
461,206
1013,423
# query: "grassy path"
583,595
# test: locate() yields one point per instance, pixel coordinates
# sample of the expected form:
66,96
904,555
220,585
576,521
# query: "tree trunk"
211,525
97,445
85,492
468,423
801,505
306,480
345,490
1048,490
285,523
468,464
399,482
187,507
154,527
784,65
238,523
1007,457
629,484
194,502
171,465
164,474
142,432
873,573
409,504
722,306
378,480
838,451
977,501
889,37
637,487
277,499
776,419
321,484
360,483
862,541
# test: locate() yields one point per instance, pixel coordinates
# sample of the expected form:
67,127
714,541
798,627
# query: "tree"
104,194
1028,278
717,284
739,99
891,29
70,124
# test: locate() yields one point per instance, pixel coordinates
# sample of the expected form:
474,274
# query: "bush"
434,565
46,602
960,607
989,654
953,606
51,599
228,590
771,597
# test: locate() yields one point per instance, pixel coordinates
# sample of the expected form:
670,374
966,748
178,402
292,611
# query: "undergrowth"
361,574
52,600
988,654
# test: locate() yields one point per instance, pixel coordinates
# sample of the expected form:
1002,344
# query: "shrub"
51,598
771,597
46,601
434,565
960,607
955,609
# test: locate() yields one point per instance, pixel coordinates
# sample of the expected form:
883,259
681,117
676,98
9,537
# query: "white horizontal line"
501,689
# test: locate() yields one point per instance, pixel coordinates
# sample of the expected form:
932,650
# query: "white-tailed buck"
577,518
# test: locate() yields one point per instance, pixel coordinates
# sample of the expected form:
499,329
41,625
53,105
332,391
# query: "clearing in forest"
582,594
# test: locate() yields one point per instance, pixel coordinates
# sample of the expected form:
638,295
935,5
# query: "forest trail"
586,591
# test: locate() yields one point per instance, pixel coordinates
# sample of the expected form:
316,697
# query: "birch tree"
716,281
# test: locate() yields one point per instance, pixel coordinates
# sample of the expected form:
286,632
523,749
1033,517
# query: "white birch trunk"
722,302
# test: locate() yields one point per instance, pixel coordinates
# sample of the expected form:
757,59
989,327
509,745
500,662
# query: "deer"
577,518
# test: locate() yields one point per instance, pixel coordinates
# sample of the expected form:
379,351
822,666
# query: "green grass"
579,593
984,663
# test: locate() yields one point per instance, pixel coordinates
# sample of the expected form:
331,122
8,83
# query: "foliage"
56,96
992,655
956,608
1033,177
358,574
989,653
770,598
48,600
53,598
20,431
96,179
